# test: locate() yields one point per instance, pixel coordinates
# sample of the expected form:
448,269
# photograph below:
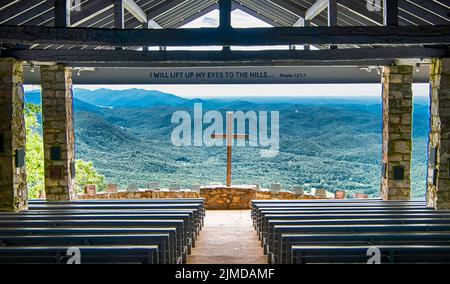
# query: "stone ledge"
147,194
216,197
240,197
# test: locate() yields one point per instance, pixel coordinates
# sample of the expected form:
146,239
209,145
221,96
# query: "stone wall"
397,132
216,198
59,137
13,187
223,198
438,194
147,194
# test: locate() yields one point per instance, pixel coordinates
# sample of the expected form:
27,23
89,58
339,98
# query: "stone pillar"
58,128
438,183
397,132
13,180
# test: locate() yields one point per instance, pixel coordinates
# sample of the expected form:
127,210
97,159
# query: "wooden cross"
229,136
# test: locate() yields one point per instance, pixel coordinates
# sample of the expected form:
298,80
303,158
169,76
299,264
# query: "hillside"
132,98
333,144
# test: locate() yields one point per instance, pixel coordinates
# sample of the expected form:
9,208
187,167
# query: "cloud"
239,19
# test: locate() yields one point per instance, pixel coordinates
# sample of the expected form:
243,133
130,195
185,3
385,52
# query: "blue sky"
243,20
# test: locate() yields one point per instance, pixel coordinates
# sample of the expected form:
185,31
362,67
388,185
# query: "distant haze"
272,91
325,142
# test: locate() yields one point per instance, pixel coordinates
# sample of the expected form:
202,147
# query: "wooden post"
229,138
62,13
225,14
145,26
332,16
390,12
332,13
306,23
119,20
229,157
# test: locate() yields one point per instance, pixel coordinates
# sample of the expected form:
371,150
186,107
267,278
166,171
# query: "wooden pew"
195,219
169,225
280,230
347,223
268,231
162,241
358,254
114,223
198,201
189,222
265,218
283,256
174,252
316,210
89,254
122,201
198,211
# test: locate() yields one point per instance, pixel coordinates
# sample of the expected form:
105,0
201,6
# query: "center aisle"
228,238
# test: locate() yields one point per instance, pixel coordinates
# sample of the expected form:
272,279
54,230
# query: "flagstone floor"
228,237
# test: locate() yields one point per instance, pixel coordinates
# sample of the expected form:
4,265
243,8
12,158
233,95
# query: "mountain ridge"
328,144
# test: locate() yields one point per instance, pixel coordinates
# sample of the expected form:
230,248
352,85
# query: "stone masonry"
438,193
59,137
397,132
216,197
13,187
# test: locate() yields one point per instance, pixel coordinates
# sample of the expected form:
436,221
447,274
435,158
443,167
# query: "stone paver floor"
228,237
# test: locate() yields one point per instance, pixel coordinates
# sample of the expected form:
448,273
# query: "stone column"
59,138
397,132
13,179
438,183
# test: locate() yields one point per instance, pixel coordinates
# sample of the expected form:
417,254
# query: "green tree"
85,171
34,151
87,174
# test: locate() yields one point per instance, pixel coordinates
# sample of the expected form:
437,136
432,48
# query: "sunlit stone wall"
397,132
216,197
438,194
59,136
13,187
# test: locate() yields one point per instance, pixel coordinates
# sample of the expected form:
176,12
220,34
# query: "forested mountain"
328,143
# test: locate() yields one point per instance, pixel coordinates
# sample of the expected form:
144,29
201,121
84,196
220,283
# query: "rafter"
87,14
135,10
225,14
433,8
153,25
163,7
390,12
256,14
33,14
427,35
363,12
62,13
318,7
195,16
18,9
6,3
332,13
289,7
140,58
